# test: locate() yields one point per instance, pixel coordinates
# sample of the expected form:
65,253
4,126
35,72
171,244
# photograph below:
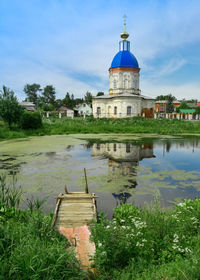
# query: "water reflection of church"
123,159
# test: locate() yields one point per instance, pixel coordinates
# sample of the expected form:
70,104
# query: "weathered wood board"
73,214
75,209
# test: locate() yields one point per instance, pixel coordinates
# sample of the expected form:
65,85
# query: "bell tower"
124,70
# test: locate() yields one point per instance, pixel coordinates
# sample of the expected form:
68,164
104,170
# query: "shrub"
31,120
143,242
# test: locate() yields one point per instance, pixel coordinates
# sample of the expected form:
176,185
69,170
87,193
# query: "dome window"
114,84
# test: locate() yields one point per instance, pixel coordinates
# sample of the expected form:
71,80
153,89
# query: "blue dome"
124,59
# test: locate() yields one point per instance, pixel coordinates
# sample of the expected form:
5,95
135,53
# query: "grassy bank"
140,244
149,243
54,126
29,248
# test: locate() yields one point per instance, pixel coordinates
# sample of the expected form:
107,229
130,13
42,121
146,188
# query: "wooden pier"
75,209
73,214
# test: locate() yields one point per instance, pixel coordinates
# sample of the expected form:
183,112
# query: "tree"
170,105
49,95
58,103
10,110
88,97
69,101
32,92
183,105
166,97
78,101
100,93
197,111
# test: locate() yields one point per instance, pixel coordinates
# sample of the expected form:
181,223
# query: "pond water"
128,168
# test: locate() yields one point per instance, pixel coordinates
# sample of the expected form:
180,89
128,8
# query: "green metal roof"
187,110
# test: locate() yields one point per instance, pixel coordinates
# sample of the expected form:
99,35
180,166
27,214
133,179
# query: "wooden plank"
72,208
75,209
56,212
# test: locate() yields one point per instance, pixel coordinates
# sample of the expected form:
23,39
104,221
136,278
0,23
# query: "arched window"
115,110
135,84
128,110
128,148
126,83
98,110
98,146
114,84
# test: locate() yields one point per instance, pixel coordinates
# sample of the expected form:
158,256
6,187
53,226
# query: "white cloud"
167,68
72,40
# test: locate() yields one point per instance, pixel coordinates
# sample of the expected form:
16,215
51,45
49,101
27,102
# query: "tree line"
45,98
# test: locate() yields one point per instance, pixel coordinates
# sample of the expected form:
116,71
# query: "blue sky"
71,44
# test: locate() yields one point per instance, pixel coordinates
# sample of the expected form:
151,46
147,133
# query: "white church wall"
148,103
124,82
107,107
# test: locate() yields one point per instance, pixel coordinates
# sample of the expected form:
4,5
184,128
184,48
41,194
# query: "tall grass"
29,248
53,126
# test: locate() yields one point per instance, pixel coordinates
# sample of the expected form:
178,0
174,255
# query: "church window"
115,110
115,147
135,84
128,110
128,148
114,84
98,110
98,146
126,83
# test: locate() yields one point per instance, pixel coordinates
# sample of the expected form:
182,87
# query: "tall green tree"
32,91
166,97
58,103
88,97
10,110
170,105
69,100
100,93
49,95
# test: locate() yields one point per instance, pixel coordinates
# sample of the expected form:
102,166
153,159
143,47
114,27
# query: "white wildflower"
187,250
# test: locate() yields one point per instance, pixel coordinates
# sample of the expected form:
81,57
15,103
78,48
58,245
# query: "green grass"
138,243
149,243
29,248
54,126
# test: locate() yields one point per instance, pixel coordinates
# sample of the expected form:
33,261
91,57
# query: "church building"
124,98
